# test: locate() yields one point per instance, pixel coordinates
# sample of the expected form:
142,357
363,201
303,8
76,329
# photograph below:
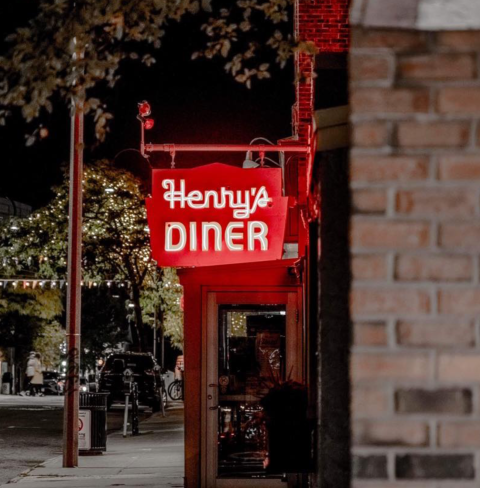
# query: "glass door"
249,351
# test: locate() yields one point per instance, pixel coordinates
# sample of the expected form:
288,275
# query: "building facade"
414,173
380,306
11,208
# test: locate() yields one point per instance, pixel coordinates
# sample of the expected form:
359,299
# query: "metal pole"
70,418
224,148
125,415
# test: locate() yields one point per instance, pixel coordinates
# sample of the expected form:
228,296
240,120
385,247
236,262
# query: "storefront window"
251,360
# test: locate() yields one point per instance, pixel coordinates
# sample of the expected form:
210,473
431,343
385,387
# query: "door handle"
213,385
216,407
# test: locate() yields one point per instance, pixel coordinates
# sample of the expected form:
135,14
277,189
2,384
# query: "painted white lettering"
243,202
217,228
193,236
177,236
257,231
230,236
180,245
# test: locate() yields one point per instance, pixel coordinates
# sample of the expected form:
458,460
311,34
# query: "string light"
115,224
27,283
238,324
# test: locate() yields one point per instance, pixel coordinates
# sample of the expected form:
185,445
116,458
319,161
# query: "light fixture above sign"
216,214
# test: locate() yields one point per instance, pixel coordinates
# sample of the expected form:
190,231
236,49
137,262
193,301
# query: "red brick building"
389,231
414,165
413,240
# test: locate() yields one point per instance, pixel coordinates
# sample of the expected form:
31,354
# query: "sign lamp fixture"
144,110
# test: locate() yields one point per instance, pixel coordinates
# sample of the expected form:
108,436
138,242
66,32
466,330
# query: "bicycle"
175,390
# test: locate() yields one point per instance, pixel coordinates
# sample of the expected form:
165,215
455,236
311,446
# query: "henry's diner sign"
216,214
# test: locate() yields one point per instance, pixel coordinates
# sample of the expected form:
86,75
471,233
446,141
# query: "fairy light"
43,283
116,211
238,324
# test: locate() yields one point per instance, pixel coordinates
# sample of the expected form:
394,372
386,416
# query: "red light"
144,109
148,124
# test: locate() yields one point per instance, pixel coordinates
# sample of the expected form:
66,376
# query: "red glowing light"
144,109
148,124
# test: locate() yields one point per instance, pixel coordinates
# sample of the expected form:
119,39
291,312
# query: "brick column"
324,23
415,243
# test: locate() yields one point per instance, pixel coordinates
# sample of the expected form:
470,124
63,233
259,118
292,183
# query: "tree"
115,241
49,344
40,67
162,298
29,321
104,323
249,35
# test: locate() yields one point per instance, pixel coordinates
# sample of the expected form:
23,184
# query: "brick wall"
325,23
415,243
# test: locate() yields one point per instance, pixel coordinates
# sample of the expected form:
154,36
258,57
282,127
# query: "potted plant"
289,434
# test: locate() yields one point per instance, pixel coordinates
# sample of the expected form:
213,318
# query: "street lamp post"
74,270
70,418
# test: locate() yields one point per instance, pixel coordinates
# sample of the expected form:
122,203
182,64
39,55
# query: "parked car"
146,373
52,383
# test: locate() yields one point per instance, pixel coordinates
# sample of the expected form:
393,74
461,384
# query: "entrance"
252,340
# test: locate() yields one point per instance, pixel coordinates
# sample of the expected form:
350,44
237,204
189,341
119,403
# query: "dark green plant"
29,320
64,53
116,246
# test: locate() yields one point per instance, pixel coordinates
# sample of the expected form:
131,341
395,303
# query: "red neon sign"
216,214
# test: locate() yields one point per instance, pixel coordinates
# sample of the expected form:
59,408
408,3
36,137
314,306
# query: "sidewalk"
152,459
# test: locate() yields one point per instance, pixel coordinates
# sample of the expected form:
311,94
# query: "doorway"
251,341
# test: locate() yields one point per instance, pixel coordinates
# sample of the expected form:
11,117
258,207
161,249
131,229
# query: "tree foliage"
162,298
49,344
116,243
249,35
29,321
65,53
64,50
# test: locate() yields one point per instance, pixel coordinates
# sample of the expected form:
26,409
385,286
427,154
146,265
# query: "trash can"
92,423
7,380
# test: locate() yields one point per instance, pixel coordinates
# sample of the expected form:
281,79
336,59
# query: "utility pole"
70,416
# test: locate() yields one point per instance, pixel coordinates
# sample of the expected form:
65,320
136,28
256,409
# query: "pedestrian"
37,380
29,374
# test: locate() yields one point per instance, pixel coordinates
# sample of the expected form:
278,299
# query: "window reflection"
251,359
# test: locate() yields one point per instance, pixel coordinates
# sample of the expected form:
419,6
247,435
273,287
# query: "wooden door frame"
212,297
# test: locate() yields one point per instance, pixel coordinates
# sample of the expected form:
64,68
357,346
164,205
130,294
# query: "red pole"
70,416
223,147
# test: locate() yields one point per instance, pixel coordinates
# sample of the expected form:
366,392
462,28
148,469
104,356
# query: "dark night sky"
192,101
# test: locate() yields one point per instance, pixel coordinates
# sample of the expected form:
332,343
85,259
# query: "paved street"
31,431
152,459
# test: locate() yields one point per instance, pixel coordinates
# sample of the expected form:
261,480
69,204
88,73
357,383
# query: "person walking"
29,374
37,380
